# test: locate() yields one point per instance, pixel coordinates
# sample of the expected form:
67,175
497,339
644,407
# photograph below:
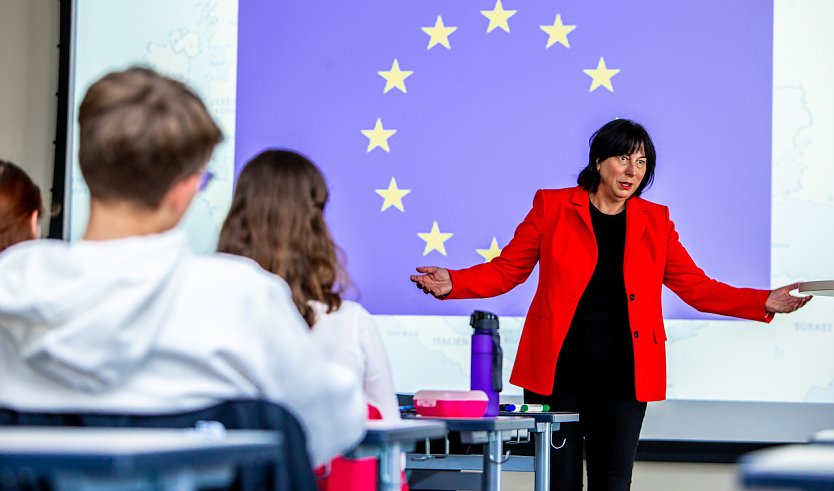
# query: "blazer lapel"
636,219
580,200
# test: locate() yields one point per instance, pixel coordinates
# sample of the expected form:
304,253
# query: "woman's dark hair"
19,198
615,138
277,219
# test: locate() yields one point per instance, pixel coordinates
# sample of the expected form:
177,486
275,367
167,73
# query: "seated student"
277,219
21,206
129,320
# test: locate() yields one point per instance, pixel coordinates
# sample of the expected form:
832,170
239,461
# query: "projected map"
194,41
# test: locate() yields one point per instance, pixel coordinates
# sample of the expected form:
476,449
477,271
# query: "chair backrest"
294,471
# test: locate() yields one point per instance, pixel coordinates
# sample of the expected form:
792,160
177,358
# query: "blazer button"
631,297
636,334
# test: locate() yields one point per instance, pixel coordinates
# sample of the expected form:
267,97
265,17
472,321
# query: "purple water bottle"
487,358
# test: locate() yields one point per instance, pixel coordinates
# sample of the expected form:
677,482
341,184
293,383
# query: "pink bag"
353,474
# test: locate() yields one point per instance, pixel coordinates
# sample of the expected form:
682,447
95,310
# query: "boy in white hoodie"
129,320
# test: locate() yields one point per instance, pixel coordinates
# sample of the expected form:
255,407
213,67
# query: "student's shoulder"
231,270
354,310
350,315
40,251
357,316
228,263
34,247
237,286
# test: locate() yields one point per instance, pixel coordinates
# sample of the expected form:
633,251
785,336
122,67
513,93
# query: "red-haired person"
21,206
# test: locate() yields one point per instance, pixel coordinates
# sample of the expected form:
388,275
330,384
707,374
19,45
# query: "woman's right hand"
434,280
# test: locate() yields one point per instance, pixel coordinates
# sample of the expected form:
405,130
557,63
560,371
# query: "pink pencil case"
451,403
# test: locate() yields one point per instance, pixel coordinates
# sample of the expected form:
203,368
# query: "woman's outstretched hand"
780,300
434,280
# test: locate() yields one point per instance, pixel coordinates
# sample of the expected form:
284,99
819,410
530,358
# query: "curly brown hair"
277,219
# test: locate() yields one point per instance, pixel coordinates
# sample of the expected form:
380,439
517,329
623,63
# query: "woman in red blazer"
593,341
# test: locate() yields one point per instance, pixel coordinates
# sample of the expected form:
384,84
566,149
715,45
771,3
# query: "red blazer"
557,233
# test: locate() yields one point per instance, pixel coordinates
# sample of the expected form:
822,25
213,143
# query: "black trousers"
607,434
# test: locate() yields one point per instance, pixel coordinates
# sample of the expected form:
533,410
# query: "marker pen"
535,408
513,408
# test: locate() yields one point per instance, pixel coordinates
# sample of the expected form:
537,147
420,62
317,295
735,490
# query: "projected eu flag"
435,122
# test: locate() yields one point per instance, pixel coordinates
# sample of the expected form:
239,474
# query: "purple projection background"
484,124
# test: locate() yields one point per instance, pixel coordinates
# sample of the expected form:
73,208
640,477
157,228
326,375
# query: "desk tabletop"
408,430
824,436
129,450
498,423
824,288
797,466
552,417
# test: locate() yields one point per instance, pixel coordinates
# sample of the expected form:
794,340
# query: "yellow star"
439,34
558,32
498,17
491,253
601,75
378,137
434,240
393,196
395,77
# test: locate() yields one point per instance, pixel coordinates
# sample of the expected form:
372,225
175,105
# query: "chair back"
294,470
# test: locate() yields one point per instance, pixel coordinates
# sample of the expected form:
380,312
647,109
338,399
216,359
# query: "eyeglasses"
205,178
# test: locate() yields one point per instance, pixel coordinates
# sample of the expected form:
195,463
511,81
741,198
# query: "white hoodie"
142,325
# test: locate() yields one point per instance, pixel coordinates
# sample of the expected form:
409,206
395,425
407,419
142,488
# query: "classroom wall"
29,62
29,65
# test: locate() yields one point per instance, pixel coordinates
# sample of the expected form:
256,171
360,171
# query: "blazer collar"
636,218
579,197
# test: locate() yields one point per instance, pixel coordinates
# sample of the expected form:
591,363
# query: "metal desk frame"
490,431
546,424
386,440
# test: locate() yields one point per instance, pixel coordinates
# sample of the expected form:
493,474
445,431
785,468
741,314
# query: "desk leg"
543,441
492,462
390,474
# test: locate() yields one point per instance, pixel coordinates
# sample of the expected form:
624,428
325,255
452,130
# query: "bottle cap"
481,319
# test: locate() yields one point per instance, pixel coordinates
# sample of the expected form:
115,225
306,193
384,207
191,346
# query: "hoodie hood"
87,313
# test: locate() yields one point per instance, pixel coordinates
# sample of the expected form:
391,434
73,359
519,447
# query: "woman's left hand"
780,300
